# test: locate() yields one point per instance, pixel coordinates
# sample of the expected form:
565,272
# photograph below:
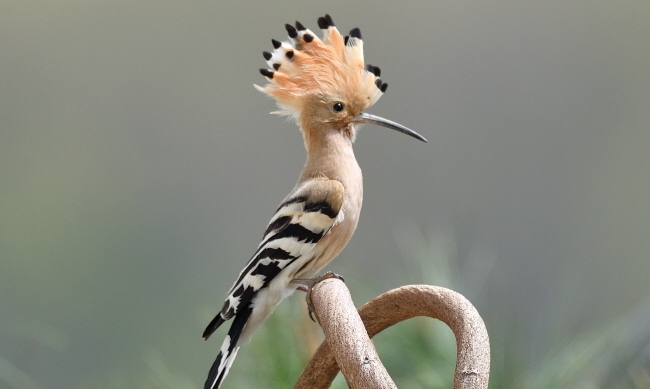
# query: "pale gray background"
139,167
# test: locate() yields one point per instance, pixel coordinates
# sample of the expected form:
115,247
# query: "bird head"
324,84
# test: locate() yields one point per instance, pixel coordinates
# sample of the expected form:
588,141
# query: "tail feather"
228,350
214,324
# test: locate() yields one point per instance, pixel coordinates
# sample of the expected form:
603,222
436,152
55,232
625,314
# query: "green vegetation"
419,353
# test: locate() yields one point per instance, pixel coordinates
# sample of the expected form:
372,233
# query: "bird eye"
338,107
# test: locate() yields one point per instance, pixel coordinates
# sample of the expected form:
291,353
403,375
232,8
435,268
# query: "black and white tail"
288,244
229,347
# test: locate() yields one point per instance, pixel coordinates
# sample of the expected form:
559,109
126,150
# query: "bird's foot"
307,286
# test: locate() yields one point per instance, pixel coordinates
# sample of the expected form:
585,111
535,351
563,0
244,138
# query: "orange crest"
306,66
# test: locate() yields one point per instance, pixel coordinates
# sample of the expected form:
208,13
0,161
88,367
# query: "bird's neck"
330,154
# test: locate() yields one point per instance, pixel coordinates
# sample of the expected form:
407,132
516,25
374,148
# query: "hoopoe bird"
325,87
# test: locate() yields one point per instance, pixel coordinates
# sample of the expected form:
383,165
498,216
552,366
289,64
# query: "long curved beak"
368,118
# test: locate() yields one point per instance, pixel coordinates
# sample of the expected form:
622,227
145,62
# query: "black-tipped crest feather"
291,30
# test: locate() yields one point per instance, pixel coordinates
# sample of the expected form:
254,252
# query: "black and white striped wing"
297,226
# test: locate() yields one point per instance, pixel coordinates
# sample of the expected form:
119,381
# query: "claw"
307,286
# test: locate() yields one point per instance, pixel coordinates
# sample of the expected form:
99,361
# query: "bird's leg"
308,284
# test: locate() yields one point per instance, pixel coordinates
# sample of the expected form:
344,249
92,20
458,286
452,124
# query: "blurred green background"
140,166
